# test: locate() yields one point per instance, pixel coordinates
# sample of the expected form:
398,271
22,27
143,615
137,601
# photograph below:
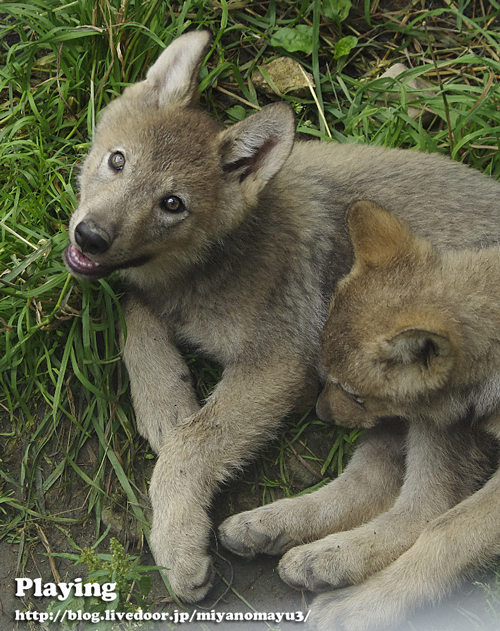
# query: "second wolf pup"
412,333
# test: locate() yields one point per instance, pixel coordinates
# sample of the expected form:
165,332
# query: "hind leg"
369,486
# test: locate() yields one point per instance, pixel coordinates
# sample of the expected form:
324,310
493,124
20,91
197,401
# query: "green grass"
61,379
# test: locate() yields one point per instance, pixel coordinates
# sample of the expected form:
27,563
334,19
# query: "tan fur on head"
172,149
422,345
255,149
173,78
388,339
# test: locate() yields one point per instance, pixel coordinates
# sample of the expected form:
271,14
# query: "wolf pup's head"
390,344
163,181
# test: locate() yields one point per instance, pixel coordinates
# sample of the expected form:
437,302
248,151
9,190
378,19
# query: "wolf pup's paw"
190,578
259,531
321,565
182,551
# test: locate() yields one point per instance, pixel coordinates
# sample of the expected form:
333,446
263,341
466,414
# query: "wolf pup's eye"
116,161
354,397
172,204
358,400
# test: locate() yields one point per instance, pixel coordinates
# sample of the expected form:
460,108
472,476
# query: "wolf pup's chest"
219,323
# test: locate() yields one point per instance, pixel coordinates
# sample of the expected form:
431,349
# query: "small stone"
286,74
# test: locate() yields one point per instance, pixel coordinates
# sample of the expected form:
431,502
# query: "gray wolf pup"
231,241
412,333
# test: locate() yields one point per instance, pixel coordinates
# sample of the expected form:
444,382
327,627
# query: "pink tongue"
79,260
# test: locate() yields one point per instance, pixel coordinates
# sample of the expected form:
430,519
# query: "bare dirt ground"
242,585
256,582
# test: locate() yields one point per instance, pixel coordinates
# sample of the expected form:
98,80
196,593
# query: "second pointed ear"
378,236
173,78
254,150
419,346
420,360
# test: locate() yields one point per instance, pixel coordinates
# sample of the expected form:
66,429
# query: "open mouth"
83,267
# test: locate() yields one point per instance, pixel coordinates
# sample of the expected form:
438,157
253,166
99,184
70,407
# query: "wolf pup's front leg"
368,487
437,477
463,538
159,378
201,452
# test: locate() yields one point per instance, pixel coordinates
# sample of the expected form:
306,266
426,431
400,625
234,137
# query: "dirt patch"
254,582
242,586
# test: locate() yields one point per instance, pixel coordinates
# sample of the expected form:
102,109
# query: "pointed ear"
423,357
255,149
174,76
378,237
418,346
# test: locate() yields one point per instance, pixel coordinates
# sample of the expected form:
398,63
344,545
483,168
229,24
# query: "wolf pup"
231,242
412,333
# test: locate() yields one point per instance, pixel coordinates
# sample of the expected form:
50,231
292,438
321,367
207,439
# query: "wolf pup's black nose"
91,239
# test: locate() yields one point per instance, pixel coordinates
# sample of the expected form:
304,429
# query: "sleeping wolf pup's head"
411,332
163,182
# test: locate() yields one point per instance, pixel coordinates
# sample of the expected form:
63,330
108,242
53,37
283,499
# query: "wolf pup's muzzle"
92,240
